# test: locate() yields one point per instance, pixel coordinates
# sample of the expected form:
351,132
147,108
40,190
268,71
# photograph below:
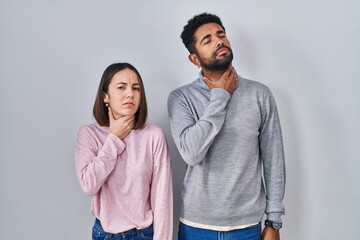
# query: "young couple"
226,129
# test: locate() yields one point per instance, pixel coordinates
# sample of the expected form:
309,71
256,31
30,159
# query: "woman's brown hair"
100,111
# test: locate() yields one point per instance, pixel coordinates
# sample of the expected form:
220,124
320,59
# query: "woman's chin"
123,114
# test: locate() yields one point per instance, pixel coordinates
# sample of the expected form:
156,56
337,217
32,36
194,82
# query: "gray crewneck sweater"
228,143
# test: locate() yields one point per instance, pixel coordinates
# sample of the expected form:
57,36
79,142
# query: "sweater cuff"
220,93
274,210
116,142
276,217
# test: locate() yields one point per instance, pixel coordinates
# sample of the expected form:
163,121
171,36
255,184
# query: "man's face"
213,50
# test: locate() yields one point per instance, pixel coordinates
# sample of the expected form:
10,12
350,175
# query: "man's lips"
222,51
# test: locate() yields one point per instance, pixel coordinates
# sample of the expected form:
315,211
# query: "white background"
52,55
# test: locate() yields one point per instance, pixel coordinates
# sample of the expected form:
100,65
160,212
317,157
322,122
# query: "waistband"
133,231
216,228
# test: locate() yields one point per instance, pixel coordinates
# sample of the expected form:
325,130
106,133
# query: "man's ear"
194,59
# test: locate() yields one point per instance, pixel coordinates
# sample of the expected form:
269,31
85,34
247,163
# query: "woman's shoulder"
92,128
89,127
153,130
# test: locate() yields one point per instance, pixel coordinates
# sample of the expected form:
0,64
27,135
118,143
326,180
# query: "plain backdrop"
52,55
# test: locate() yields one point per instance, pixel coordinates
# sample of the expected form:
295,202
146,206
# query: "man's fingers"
206,80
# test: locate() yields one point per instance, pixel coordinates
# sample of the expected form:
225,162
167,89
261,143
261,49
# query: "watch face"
276,225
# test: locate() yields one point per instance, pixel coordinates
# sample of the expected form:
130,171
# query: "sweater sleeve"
272,156
194,137
94,164
161,191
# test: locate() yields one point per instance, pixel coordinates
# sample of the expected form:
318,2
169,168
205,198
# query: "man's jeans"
192,233
98,233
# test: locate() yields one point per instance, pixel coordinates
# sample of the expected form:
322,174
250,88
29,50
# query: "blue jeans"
98,233
192,233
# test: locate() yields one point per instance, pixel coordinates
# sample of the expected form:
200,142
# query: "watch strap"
275,225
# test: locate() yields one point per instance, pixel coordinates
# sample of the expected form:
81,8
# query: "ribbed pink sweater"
129,180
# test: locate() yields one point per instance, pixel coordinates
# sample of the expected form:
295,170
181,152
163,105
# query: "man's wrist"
275,225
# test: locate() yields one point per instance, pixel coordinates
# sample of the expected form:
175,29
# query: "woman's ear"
106,98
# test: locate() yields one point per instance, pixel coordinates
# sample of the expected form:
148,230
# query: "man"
227,130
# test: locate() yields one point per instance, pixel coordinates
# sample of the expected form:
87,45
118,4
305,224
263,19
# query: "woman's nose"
130,93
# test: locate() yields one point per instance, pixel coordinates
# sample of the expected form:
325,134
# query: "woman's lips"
128,104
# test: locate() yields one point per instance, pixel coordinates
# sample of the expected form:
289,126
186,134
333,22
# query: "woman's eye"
136,88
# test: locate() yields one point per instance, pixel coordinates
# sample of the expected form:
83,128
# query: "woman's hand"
121,126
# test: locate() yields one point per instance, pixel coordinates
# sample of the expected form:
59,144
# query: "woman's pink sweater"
129,180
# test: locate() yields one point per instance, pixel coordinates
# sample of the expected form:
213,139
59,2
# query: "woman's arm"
94,164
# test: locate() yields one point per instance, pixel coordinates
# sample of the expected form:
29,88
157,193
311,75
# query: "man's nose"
219,43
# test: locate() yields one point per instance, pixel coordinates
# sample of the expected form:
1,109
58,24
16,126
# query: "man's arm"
194,137
272,155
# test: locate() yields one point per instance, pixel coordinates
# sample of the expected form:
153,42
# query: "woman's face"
123,94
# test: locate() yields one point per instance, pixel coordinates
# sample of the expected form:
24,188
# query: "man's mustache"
218,48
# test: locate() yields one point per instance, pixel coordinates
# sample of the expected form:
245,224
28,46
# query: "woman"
123,163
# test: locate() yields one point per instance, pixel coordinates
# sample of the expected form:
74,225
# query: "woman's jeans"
191,233
98,233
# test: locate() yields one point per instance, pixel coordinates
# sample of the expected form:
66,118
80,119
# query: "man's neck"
213,75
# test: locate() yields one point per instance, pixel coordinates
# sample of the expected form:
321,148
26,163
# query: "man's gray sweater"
229,143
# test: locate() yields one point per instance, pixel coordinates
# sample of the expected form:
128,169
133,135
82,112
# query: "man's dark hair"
193,24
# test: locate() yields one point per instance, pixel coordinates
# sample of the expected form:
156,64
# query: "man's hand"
270,234
121,126
228,81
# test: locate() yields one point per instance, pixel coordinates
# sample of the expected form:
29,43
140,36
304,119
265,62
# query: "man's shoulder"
254,84
249,86
186,89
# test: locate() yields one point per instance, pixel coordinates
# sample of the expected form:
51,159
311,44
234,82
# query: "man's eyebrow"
205,37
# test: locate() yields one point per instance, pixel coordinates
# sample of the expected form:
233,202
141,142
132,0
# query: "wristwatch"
275,225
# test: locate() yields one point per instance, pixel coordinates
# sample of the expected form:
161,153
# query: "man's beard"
214,64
